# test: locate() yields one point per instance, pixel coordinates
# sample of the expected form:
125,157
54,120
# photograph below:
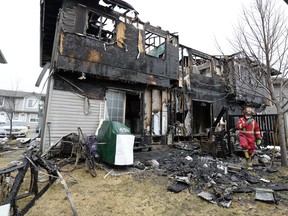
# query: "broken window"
100,27
154,45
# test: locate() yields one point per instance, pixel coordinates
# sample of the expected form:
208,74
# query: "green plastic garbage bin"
115,143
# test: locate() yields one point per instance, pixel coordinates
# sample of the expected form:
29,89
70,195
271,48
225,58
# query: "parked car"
19,129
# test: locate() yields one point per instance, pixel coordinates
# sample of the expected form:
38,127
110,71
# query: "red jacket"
248,129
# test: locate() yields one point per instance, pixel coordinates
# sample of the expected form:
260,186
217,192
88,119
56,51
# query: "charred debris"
213,176
105,63
207,168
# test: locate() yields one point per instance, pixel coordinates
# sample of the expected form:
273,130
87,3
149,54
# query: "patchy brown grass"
139,194
142,193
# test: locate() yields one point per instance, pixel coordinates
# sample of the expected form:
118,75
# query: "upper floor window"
1,101
32,103
154,45
100,27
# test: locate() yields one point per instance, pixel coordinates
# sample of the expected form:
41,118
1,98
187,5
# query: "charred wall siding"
76,52
93,88
210,90
247,94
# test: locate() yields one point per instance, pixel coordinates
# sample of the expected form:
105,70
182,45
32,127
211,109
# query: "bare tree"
261,39
11,103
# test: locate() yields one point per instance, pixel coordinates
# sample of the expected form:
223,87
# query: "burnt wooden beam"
17,183
198,53
28,161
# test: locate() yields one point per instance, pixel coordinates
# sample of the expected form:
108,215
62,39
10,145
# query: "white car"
19,129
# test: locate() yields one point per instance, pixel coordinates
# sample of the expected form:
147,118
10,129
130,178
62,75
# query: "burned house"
105,63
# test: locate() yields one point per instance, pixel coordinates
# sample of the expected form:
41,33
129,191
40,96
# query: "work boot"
246,154
248,158
249,162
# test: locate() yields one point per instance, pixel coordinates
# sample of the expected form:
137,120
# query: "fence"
268,126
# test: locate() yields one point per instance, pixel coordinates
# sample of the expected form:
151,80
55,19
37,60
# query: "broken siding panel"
156,109
247,90
74,18
66,113
81,19
69,19
147,110
121,36
156,101
208,89
173,59
164,112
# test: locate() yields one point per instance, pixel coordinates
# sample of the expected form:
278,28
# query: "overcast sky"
199,24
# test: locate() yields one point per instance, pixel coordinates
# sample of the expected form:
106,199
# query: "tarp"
115,143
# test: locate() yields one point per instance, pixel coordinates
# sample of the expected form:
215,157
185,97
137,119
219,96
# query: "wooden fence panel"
268,126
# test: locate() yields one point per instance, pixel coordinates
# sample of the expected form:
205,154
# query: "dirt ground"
137,193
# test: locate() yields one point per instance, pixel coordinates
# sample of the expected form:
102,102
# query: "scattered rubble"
215,180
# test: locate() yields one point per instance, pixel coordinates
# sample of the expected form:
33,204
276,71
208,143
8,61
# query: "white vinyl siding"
66,112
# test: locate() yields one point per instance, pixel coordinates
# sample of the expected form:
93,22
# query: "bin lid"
109,129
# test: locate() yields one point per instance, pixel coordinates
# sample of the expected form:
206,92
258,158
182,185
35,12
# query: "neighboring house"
24,105
105,64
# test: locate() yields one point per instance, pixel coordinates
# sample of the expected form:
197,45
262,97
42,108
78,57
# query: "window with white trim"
33,118
116,105
32,103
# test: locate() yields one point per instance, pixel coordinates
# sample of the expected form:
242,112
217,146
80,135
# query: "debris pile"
216,180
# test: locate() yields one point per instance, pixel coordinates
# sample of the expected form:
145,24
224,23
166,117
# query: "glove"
249,121
259,142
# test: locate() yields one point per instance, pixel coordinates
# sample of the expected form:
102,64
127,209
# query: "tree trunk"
282,140
280,124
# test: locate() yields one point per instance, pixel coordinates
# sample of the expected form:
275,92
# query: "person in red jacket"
248,130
